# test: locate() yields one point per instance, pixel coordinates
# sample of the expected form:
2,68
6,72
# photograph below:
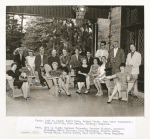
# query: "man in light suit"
103,51
134,60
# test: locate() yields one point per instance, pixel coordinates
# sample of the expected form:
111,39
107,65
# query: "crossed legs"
60,85
116,88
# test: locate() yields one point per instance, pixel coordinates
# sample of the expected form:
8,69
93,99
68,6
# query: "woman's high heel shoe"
78,91
87,91
109,101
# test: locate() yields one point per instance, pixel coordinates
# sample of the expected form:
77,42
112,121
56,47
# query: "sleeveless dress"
122,80
102,73
80,77
94,70
31,62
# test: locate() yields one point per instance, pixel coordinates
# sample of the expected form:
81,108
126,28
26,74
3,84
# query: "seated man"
57,75
121,83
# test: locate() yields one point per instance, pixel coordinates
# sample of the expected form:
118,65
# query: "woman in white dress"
30,63
99,79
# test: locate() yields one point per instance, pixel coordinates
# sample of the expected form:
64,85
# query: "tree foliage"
56,34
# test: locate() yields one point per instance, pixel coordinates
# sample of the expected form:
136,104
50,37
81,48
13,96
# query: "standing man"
134,60
89,58
64,60
53,58
75,61
40,61
19,58
115,58
103,51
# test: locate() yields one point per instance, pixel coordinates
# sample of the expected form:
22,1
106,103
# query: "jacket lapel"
134,55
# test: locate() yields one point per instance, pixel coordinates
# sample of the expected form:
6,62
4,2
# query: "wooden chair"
15,91
110,85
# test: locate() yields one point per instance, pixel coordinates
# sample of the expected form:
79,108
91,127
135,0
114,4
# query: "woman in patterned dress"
122,82
94,72
99,79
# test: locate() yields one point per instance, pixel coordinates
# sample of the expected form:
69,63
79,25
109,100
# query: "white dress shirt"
41,60
115,51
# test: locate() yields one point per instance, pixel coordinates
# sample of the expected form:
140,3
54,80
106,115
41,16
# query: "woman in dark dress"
21,84
83,76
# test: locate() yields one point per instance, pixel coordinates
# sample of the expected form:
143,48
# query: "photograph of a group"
77,60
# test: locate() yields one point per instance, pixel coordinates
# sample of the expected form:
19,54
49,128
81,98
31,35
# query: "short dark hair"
116,41
31,51
103,42
15,63
76,48
104,57
98,61
88,51
122,65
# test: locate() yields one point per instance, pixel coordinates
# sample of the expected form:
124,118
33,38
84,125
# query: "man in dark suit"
53,58
19,58
75,61
115,58
89,58
40,61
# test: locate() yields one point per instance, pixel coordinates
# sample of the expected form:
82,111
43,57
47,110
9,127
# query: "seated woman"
94,72
21,84
57,75
99,79
83,76
122,82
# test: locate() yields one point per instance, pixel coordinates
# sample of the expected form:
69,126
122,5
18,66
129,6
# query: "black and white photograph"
75,60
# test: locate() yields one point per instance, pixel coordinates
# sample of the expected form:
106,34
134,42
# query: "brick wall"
115,25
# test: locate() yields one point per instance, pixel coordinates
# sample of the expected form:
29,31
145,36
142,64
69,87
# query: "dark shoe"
28,98
43,85
130,94
68,95
120,98
108,102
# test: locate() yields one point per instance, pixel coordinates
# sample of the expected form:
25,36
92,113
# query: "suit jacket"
38,61
21,63
52,59
115,62
74,62
90,62
135,61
